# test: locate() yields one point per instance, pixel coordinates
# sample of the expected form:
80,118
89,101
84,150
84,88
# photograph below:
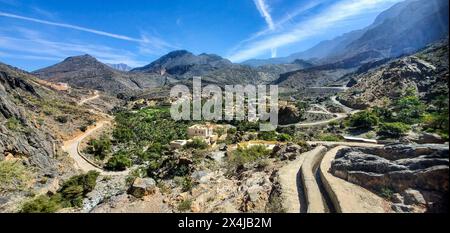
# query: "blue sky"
35,34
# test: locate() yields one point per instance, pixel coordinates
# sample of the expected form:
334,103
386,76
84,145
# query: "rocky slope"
426,72
86,72
182,63
34,120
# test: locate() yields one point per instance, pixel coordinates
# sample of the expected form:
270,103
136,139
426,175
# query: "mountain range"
402,29
120,66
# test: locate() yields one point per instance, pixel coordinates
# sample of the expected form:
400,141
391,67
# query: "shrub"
185,205
386,192
62,119
70,194
393,130
41,204
83,128
243,156
330,137
284,137
13,176
409,109
196,143
185,182
13,124
268,135
99,147
75,189
364,120
119,162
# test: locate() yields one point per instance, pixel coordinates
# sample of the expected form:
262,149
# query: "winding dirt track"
95,96
72,147
81,162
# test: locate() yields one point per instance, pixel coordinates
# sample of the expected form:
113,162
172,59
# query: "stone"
404,169
401,208
142,187
429,138
195,207
397,198
287,152
413,197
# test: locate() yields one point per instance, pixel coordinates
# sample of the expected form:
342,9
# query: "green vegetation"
330,137
42,204
364,120
100,148
397,118
75,189
185,182
184,205
83,128
273,136
13,124
70,194
284,137
62,119
243,156
393,130
119,161
144,137
268,135
13,176
386,193
196,143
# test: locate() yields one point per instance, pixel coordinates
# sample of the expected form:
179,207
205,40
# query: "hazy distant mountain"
87,72
404,28
120,66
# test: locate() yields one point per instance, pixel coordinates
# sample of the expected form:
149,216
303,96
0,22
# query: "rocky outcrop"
288,151
397,168
18,135
288,115
142,187
105,188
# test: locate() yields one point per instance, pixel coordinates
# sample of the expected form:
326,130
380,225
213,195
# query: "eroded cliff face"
18,135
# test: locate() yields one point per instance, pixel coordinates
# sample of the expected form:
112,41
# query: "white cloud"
146,41
263,9
32,46
319,23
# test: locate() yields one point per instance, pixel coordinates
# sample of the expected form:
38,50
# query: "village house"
178,144
211,133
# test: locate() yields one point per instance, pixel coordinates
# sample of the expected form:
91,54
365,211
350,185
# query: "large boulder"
142,187
403,169
429,138
288,151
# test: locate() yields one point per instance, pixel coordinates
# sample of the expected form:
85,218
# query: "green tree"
364,120
119,162
393,130
409,109
99,147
